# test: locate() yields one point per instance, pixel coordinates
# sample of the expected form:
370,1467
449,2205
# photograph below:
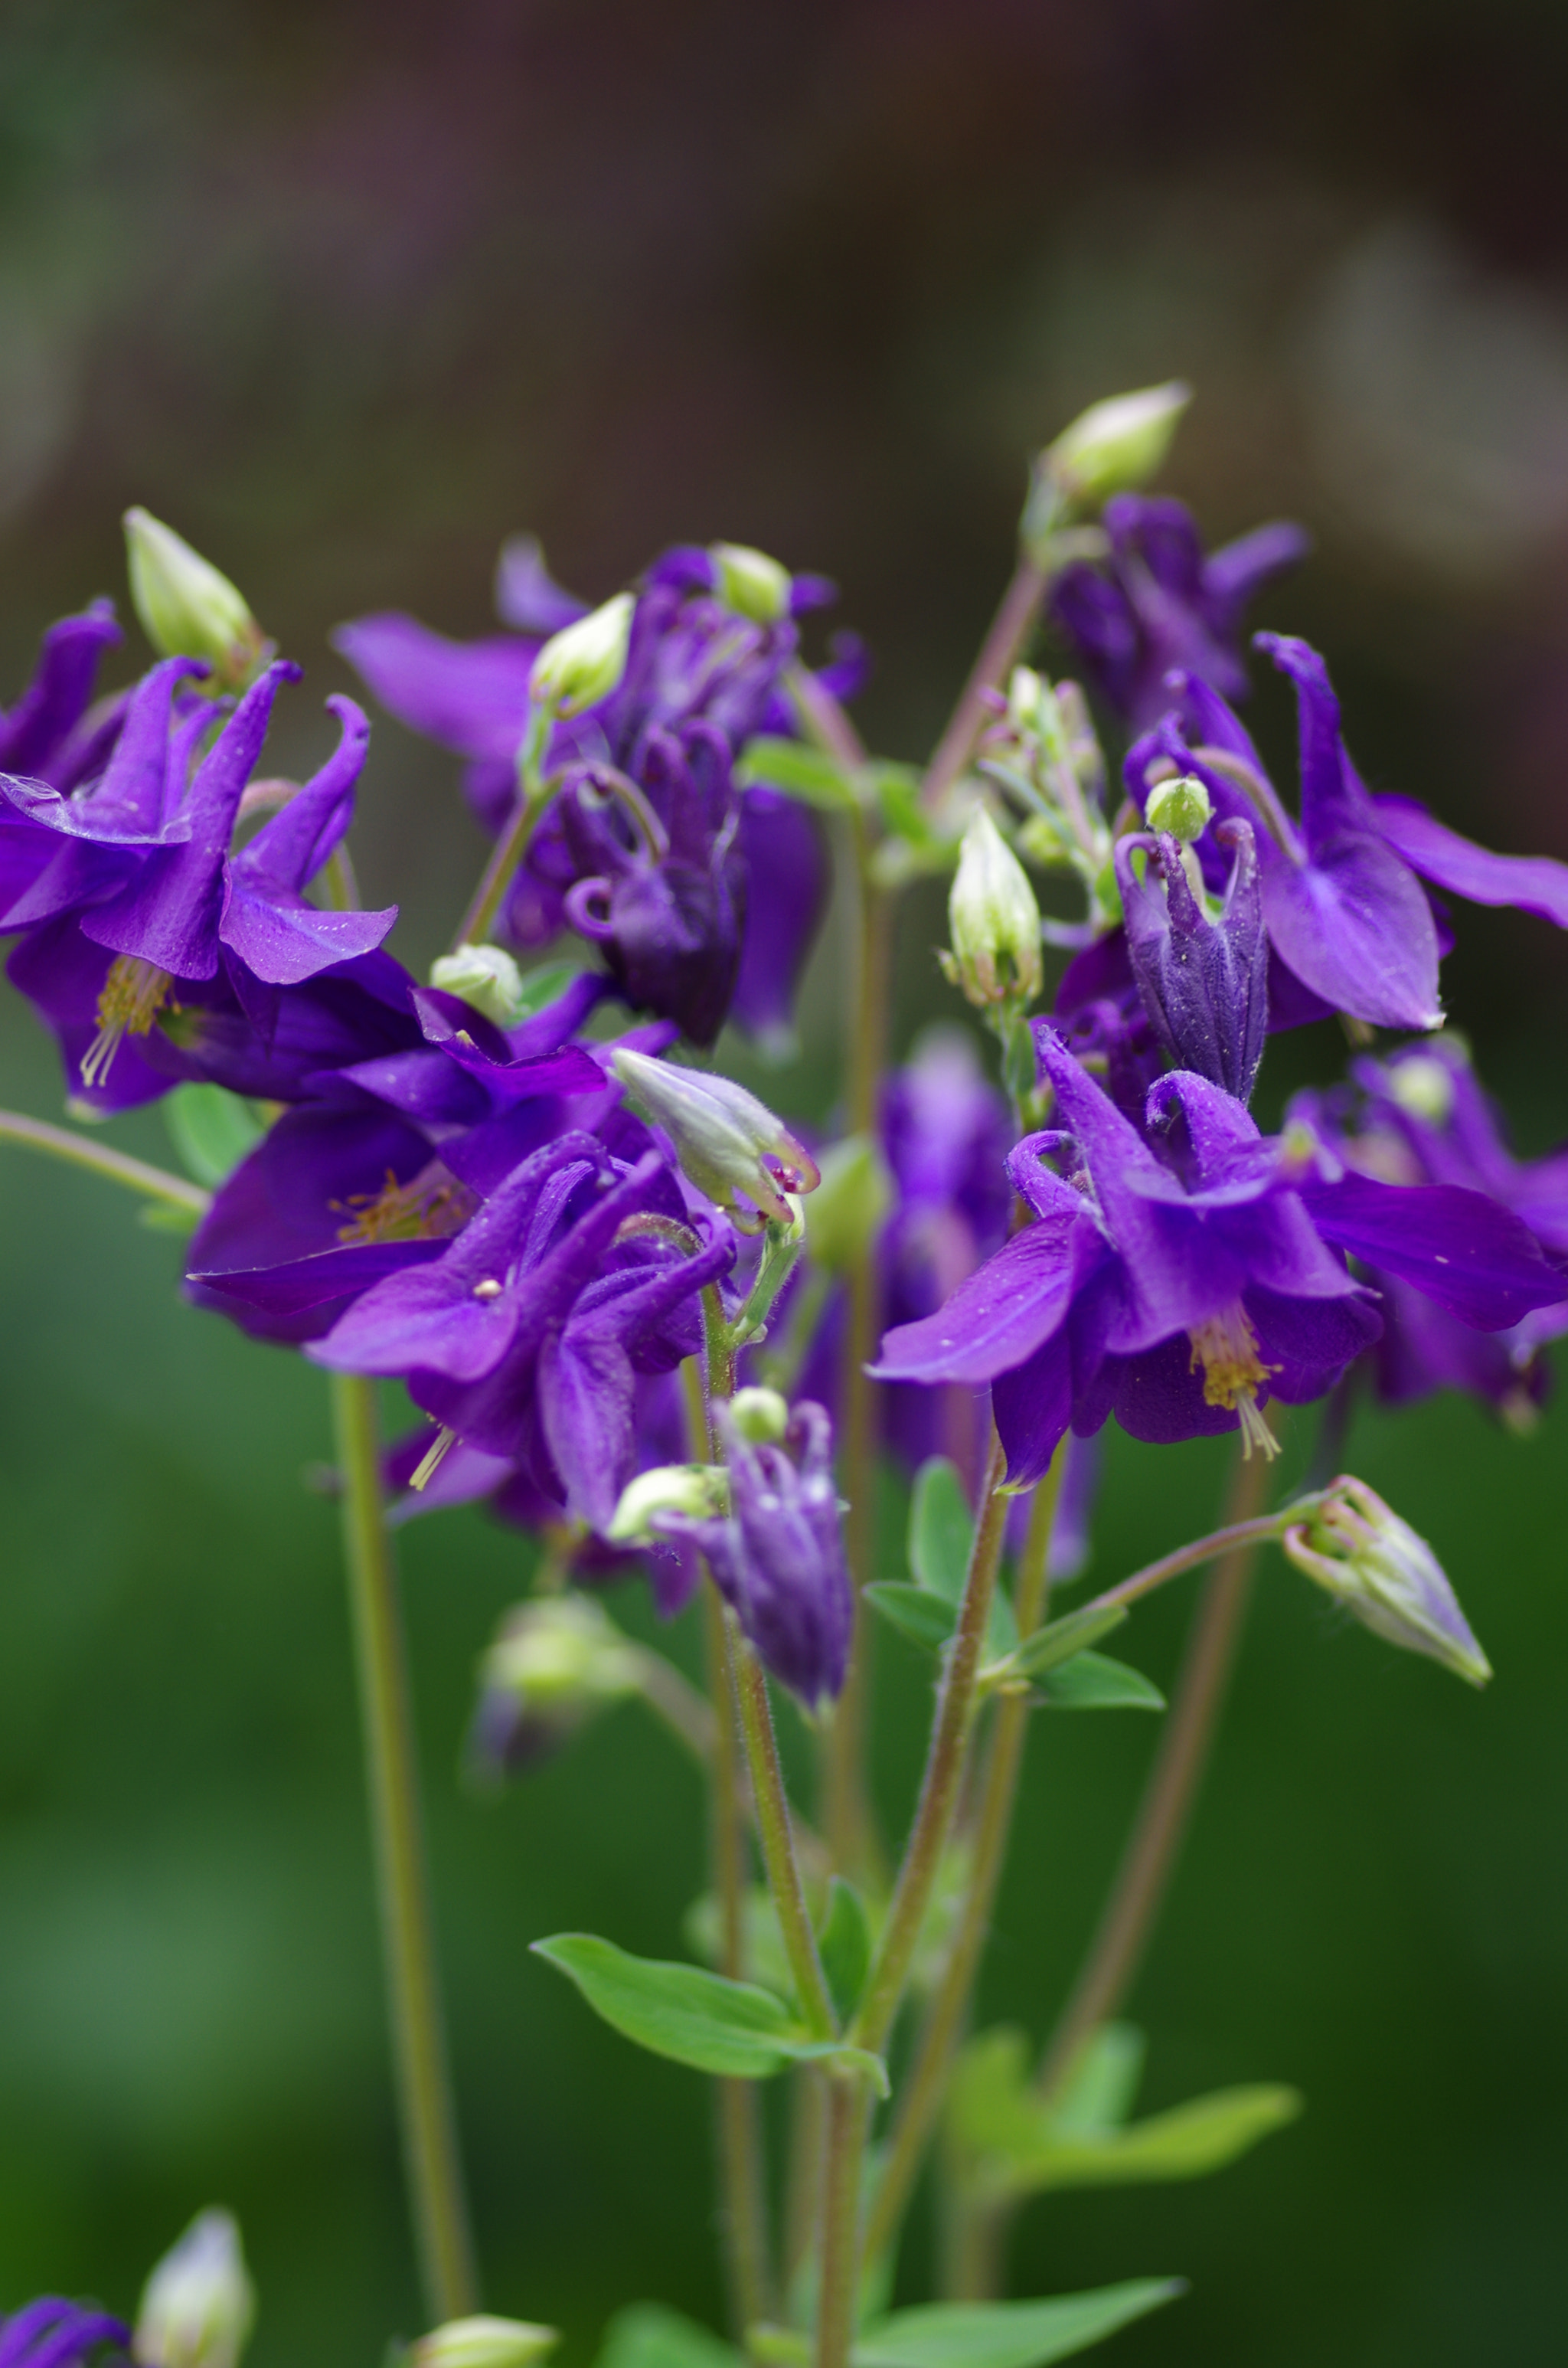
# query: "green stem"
1234,1536
501,869
419,2054
999,654
1162,1813
777,1841
81,1151
924,2085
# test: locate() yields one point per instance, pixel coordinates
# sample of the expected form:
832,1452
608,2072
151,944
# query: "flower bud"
993,920
750,582
1182,808
727,1142
695,1490
188,610
197,2304
761,1417
483,2342
1421,1087
485,976
849,1204
1361,1552
556,1661
584,663
1115,445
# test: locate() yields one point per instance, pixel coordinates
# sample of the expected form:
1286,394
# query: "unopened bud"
750,582
483,2342
1116,445
556,1661
584,663
1359,1549
1182,807
1423,1086
485,976
993,920
197,2304
699,1492
761,1417
728,1142
849,1204
188,610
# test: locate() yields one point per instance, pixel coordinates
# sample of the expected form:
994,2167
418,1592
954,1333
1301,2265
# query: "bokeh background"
347,292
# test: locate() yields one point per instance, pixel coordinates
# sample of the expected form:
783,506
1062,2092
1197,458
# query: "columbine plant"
651,1326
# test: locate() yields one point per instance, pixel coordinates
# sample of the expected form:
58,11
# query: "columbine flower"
1158,602
1182,1292
779,1557
1202,976
1374,1563
198,2304
729,1144
51,2333
1345,912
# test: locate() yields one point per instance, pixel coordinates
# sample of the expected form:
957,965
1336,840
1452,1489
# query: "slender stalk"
1168,1796
1236,1537
740,2112
501,870
924,2085
419,2052
81,1151
998,655
679,1705
777,1841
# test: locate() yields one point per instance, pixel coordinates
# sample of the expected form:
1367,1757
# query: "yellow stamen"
133,995
1226,1348
431,1206
432,1462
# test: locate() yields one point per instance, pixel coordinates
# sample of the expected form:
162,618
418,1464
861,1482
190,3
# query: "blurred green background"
348,292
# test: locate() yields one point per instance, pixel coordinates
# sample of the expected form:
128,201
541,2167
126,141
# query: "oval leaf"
1008,2334
926,1619
697,2018
1049,1647
941,1529
1093,1681
646,2335
845,1944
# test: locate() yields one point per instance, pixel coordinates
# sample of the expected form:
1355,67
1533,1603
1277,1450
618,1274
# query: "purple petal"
998,1316
1333,800
55,699
787,878
1530,884
1355,929
292,847
1032,1406
1472,1257
284,941
526,594
471,696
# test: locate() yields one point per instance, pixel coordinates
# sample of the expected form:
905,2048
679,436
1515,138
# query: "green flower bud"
482,2343
561,1652
1182,806
762,1416
487,977
1115,444
584,662
750,582
1423,1086
728,1142
701,1491
1359,1549
198,2304
188,610
850,1204
993,920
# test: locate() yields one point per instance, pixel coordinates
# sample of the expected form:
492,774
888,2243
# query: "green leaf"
923,1618
1049,1647
1008,2334
1097,2093
547,985
731,2029
211,1130
167,1217
763,1957
941,1529
1092,1682
646,2335
845,1945
800,771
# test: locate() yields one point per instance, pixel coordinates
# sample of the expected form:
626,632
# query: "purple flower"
1350,925
1157,601
1203,983
52,2333
1181,1289
778,1556
51,733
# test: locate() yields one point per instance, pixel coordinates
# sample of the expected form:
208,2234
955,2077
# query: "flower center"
133,995
1226,1348
431,1206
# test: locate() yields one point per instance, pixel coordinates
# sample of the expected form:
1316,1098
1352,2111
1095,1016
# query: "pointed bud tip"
187,607
485,977
585,662
198,2304
729,1144
1116,445
1357,1547
993,921
750,582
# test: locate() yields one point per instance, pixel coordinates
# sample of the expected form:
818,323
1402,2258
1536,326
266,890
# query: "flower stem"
924,2085
1236,1537
501,870
998,654
778,1840
419,2053
81,1151
1168,1796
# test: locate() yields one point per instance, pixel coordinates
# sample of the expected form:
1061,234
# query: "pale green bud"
762,1416
701,1491
1116,445
728,1142
483,2342
188,610
1027,694
584,662
1182,806
487,977
993,921
198,2304
1424,1086
1359,1549
849,1204
750,582
559,1653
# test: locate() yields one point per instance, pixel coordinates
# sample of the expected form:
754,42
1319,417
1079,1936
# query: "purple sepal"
1469,1254
526,596
1529,883
471,696
42,734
